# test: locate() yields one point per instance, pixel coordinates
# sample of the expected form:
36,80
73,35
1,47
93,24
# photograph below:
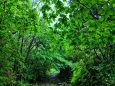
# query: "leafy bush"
99,71
78,72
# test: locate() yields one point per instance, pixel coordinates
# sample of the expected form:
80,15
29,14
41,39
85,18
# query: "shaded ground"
51,84
47,84
53,80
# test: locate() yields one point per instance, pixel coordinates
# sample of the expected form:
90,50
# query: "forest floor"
47,84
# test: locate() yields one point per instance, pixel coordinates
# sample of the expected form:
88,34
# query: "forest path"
47,84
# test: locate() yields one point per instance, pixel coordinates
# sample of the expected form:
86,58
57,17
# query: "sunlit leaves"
80,32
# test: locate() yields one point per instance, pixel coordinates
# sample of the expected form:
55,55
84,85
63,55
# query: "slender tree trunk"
29,49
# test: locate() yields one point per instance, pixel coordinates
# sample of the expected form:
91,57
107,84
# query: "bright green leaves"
17,22
83,33
91,23
78,71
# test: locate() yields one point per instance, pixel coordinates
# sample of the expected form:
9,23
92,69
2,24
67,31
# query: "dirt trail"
47,84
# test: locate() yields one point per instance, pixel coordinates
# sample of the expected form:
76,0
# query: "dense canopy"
57,42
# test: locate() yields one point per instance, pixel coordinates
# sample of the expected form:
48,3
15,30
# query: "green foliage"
22,83
79,70
80,44
89,29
